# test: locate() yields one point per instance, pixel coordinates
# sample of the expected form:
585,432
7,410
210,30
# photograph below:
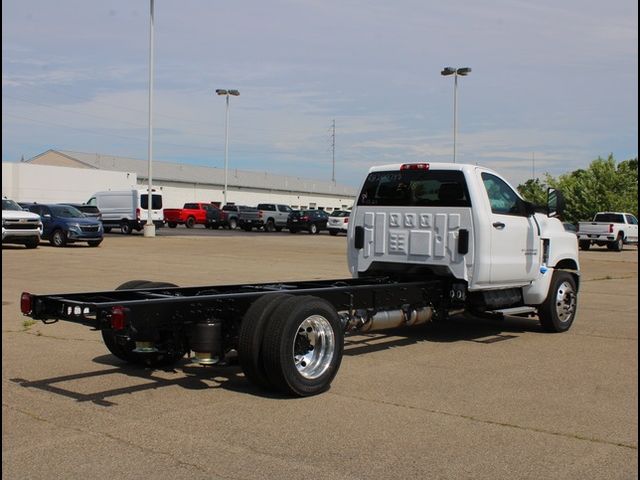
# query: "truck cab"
459,221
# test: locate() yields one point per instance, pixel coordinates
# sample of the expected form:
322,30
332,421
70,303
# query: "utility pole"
533,165
333,151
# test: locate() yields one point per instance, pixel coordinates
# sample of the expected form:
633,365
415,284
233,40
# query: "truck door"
515,243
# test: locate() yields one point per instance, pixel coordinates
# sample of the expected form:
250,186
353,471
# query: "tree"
603,186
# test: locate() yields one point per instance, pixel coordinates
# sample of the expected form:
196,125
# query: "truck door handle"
498,225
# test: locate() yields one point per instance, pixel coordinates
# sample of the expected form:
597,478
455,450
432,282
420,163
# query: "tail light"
304,219
611,228
137,213
346,219
118,315
260,214
26,304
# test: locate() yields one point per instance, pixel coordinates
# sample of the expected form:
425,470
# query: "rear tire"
333,232
107,229
125,227
618,245
270,227
122,346
190,222
313,229
558,310
251,338
233,224
303,345
584,244
172,224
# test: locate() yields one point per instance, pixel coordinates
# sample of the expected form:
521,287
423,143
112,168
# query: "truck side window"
631,220
502,198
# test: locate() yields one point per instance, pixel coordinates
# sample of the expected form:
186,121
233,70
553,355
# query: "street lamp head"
464,71
448,71
222,91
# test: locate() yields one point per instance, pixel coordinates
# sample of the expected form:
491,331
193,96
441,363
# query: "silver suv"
19,226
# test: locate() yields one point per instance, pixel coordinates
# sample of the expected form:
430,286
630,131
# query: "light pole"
226,93
455,72
149,228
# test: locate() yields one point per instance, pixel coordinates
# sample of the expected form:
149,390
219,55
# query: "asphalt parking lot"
464,399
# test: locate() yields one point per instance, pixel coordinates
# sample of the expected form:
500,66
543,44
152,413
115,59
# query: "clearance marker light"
415,166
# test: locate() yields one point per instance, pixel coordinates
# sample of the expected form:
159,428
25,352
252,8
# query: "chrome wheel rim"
565,302
313,347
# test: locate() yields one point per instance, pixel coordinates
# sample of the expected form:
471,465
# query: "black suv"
311,220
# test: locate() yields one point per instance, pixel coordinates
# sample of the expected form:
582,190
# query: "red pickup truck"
197,213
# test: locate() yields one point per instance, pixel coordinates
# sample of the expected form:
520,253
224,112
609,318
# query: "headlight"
74,226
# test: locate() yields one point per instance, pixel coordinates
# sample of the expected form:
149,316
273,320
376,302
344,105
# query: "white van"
128,209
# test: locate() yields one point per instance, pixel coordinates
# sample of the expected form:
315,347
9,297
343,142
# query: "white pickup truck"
20,226
613,229
425,241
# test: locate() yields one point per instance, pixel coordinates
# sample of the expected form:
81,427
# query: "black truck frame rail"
160,304
289,336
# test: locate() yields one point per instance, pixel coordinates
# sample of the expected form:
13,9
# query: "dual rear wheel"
291,344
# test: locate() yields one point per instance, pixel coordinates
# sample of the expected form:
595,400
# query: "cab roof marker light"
415,166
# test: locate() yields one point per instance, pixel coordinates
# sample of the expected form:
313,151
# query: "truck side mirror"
555,202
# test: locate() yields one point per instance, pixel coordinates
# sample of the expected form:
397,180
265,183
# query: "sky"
553,86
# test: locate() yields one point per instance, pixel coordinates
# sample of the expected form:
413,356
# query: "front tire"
58,238
559,308
95,243
32,242
303,345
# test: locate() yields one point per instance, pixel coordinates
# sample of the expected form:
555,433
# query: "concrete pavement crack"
492,422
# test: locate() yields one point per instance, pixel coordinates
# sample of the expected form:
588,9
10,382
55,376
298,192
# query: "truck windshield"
156,201
430,188
10,205
609,218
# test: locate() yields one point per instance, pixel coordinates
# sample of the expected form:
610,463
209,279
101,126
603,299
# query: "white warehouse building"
181,183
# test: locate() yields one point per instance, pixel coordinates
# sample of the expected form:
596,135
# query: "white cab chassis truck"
425,241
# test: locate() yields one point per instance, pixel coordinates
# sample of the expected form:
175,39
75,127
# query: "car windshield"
10,205
65,211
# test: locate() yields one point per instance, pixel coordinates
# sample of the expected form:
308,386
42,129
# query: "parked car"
235,216
20,226
128,209
274,216
63,224
89,210
613,229
311,220
338,222
192,214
